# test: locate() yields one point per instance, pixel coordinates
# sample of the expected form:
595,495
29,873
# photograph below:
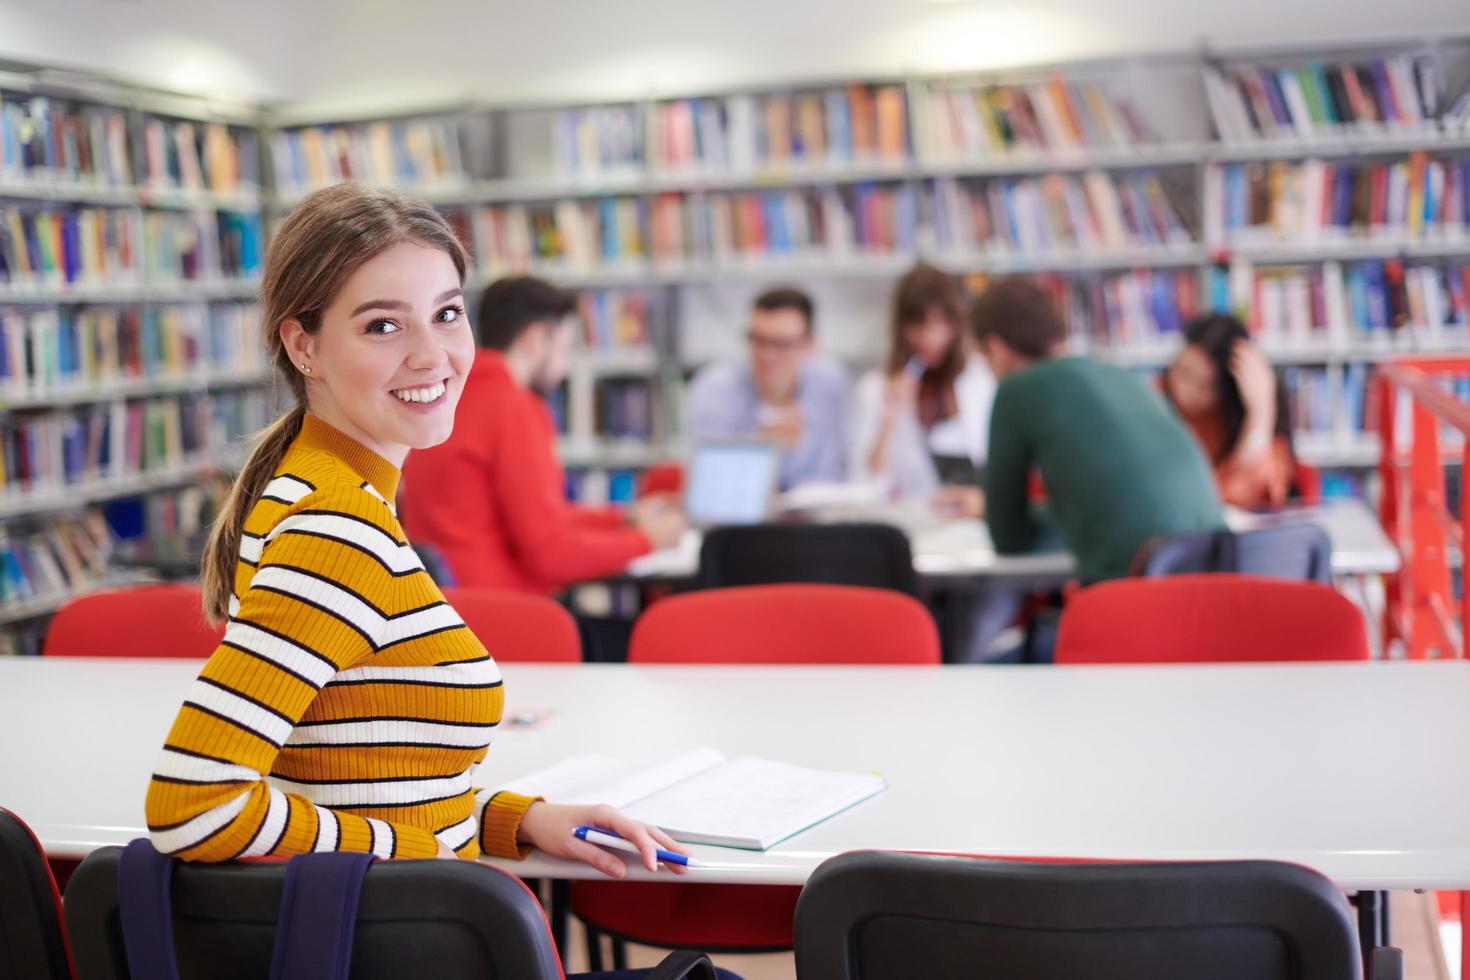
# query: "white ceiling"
373,55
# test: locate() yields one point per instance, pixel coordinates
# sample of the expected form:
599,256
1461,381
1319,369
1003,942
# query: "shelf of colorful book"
1066,260
1284,351
1350,249
640,360
19,610
576,453
130,196
1020,162
168,384
50,498
1361,143
1326,451
164,292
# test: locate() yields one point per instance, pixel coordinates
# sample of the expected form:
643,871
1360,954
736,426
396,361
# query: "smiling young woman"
347,704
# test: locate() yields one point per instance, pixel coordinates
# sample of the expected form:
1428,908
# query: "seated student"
1117,465
347,706
786,392
1227,393
930,401
492,497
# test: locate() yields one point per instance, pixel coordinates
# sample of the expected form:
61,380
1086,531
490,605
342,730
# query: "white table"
1174,762
963,549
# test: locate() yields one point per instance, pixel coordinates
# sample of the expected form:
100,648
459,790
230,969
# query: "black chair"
875,555
32,945
414,918
878,915
1294,551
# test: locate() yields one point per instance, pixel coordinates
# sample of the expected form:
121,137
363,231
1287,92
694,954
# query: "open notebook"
701,797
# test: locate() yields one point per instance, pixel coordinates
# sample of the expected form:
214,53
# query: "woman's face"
390,360
931,338
1194,384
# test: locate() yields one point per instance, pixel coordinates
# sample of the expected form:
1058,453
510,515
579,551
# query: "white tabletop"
1354,769
964,548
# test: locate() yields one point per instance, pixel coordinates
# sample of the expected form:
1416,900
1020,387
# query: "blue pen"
603,837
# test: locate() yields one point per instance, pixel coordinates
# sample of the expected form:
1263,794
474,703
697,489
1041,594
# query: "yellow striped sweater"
347,703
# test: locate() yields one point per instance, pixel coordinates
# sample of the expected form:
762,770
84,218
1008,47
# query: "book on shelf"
614,319
182,155
1334,304
61,557
624,408
597,486
1307,202
1324,98
1328,404
188,246
412,153
1142,310
61,448
743,133
597,141
572,234
1053,116
49,351
49,142
49,247
1095,211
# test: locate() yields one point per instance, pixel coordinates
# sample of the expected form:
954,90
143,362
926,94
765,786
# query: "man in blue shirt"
785,392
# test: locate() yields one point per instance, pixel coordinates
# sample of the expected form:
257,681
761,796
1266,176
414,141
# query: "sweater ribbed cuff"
499,823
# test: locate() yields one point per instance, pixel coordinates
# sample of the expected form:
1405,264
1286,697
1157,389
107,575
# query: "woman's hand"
1256,380
548,827
445,853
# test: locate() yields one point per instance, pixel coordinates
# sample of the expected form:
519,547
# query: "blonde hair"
322,242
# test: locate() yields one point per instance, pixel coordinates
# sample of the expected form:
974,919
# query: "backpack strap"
318,916
146,909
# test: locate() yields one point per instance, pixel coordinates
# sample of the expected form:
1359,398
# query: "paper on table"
752,803
592,779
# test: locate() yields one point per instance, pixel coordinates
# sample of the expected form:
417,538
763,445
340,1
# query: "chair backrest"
875,555
1209,619
787,624
141,621
32,943
415,918
870,914
1296,551
517,627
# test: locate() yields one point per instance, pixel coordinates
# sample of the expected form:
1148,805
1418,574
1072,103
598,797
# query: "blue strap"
318,916
146,910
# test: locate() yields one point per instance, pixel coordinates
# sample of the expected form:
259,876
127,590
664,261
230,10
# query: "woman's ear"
300,345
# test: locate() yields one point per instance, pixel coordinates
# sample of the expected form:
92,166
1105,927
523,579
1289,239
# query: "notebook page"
752,803
590,779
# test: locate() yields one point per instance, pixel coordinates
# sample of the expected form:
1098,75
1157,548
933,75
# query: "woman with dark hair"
925,415
1228,395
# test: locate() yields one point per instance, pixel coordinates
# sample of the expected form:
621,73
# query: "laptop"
731,483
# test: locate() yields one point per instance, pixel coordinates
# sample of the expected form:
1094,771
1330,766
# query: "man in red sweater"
492,499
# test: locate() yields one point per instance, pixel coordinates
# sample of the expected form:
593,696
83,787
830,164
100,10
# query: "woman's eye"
383,327
449,314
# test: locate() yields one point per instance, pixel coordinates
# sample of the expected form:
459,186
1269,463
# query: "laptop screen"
731,483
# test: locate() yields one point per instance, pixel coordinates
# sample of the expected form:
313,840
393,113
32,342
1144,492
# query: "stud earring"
306,368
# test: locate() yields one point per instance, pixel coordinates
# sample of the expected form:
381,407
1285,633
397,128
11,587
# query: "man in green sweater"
1117,466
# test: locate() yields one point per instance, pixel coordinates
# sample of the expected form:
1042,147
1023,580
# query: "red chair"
141,621
32,939
757,624
1219,618
518,628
